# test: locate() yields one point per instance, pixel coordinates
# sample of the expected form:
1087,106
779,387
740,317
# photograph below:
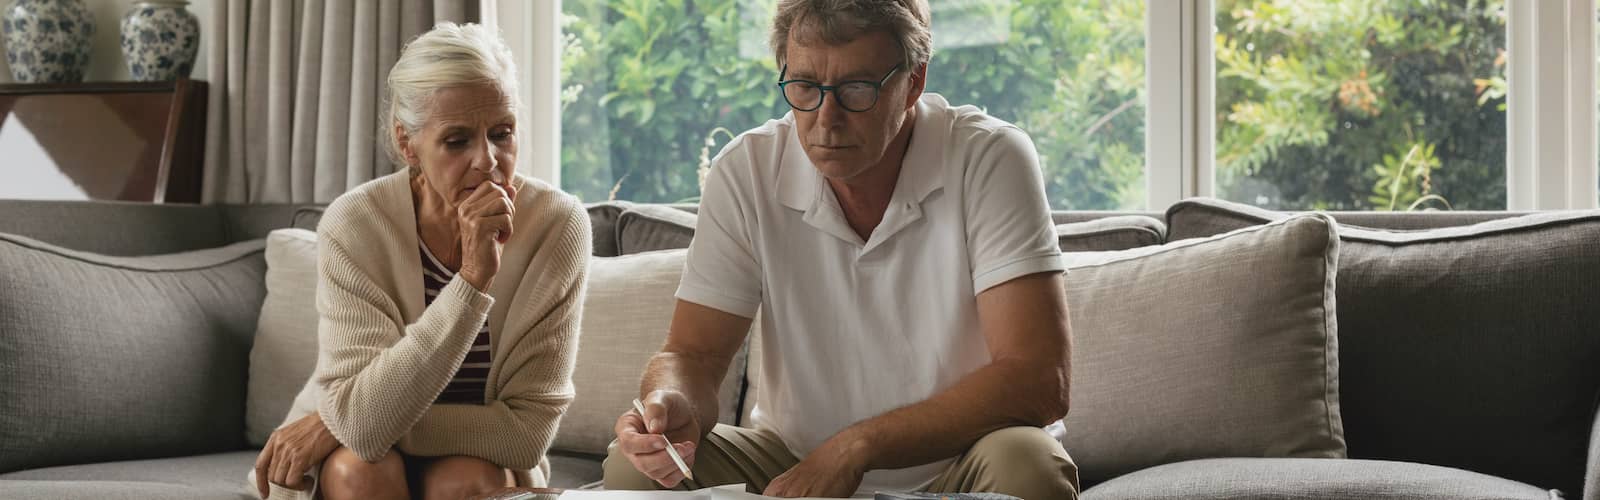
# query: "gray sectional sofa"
1468,360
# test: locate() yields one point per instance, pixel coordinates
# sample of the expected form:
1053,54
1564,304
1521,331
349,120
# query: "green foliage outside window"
1361,104
1348,104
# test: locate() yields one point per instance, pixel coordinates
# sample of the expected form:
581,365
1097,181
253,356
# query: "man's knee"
1026,462
620,474
345,475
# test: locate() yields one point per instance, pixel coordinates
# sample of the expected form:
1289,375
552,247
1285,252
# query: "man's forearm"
1003,394
694,376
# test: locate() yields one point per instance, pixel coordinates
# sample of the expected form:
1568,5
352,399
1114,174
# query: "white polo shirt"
852,329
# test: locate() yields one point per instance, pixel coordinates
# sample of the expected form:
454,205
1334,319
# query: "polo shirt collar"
801,187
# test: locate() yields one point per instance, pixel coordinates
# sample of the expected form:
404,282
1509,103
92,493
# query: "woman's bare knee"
461,476
346,475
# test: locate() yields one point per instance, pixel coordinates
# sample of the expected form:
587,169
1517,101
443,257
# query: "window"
1361,104
1285,104
652,89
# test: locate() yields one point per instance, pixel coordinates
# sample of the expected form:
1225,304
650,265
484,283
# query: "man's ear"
402,139
919,81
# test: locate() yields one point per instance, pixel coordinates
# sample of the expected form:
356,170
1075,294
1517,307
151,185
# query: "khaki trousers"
1025,462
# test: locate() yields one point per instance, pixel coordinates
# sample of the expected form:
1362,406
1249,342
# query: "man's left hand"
831,471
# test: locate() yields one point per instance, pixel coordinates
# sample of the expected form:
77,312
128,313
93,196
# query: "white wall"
105,55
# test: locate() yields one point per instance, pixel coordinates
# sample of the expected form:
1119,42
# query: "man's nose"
831,113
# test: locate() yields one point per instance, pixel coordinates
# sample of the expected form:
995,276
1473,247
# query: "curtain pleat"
297,90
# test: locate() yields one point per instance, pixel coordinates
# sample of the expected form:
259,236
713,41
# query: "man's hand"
639,438
293,450
833,470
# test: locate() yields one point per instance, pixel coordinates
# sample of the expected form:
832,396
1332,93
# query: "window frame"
1551,158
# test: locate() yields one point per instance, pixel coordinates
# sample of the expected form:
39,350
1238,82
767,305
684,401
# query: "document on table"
727,492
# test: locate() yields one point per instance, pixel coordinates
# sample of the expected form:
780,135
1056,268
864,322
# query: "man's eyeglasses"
854,95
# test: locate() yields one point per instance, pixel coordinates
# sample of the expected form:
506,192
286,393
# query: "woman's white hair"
837,22
449,55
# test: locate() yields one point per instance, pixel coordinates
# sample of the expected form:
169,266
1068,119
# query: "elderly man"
902,256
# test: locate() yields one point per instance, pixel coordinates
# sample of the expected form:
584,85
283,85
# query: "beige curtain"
296,88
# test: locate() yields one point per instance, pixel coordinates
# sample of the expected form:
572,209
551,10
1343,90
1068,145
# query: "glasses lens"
802,95
858,96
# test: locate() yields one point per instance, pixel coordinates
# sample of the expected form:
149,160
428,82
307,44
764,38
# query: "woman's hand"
292,451
485,221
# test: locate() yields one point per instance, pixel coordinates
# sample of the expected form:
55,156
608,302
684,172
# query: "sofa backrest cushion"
1473,347
115,228
1106,234
603,221
253,222
1201,217
647,228
626,313
1221,347
116,358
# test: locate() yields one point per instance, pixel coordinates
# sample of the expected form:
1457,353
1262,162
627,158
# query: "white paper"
725,492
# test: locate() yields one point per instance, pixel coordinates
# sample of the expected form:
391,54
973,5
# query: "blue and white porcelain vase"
47,41
159,40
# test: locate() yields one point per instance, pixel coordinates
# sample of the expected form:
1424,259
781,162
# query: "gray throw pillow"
1221,347
116,358
1473,347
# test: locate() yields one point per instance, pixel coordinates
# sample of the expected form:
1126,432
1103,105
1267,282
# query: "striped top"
467,386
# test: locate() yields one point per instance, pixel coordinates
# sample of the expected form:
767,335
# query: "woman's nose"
483,159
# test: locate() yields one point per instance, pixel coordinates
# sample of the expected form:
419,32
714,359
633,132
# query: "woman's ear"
402,140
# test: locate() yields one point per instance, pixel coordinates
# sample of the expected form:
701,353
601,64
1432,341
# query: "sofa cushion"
113,490
1470,347
284,353
1309,478
115,228
1110,233
223,473
626,313
219,475
307,218
110,358
647,228
1205,348
253,222
1201,217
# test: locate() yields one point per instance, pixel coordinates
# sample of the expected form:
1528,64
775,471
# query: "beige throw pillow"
1217,347
285,349
625,317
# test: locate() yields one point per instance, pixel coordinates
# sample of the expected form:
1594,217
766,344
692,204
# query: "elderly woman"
449,298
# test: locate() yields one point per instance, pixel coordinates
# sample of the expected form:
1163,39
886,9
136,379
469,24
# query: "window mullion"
1167,128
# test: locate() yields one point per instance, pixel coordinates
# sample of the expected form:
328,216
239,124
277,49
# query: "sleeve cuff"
984,280
460,291
717,300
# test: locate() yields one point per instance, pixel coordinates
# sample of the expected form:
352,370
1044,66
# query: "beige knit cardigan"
384,357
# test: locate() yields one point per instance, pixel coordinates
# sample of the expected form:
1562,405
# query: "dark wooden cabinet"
130,141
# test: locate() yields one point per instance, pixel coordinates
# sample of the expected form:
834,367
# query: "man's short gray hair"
836,22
